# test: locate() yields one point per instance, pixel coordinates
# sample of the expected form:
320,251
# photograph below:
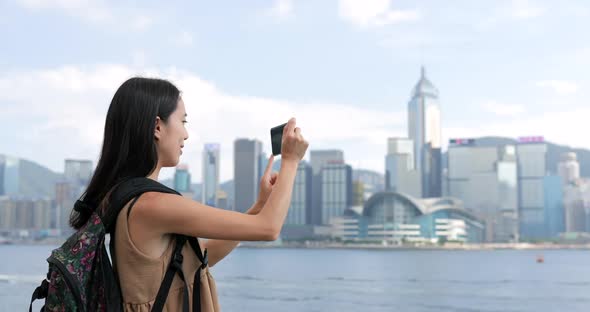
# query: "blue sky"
345,69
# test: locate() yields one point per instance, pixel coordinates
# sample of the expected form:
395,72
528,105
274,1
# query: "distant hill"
34,180
375,180
554,152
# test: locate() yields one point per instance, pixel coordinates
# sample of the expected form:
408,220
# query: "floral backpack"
81,277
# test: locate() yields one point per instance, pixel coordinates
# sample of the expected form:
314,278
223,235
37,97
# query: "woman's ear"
158,129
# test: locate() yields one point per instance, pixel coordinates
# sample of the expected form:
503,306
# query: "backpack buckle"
205,261
178,257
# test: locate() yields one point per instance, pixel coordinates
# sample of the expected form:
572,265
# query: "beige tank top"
140,275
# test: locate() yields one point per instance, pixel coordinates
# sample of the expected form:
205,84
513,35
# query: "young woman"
144,132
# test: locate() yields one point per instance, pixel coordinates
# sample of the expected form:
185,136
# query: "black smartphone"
276,138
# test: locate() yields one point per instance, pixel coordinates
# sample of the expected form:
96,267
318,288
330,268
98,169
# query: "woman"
144,132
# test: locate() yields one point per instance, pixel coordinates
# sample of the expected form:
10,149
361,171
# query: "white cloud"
281,9
525,9
560,86
581,56
371,13
185,38
64,117
502,109
61,112
139,58
142,22
514,10
93,11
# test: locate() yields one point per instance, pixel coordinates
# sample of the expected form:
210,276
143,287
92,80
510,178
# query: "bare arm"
276,207
218,249
169,213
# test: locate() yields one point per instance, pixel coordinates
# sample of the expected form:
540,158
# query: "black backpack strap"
123,192
175,267
132,188
121,195
118,295
127,190
194,242
39,293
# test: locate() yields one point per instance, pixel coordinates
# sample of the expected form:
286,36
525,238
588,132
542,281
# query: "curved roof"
423,206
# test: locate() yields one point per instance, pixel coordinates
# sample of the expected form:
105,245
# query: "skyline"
518,67
195,177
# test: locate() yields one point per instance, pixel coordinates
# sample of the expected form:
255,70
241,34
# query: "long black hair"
129,148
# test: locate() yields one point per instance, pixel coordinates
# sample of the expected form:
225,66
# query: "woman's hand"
294,146
267,182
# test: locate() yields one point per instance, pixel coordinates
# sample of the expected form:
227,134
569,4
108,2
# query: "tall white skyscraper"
424,129
210,180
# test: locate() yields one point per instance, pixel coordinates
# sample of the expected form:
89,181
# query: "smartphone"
276,138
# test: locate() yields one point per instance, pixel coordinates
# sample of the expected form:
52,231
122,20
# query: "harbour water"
292,280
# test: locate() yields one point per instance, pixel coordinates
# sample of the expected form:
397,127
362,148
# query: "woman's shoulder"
157,205
156,199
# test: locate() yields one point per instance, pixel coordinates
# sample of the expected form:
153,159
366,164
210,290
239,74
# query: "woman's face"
170,136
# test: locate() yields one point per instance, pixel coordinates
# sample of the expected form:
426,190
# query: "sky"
345,69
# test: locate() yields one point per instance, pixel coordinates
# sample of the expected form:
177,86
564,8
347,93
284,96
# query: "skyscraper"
7,213
507,170
182,179
569,168
10,175
318,159
485,179
424,128
301,196
78,173
400,174
64,202
532,157
554,206
577,206
25,214
222,201
336,190
210,180
246,171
